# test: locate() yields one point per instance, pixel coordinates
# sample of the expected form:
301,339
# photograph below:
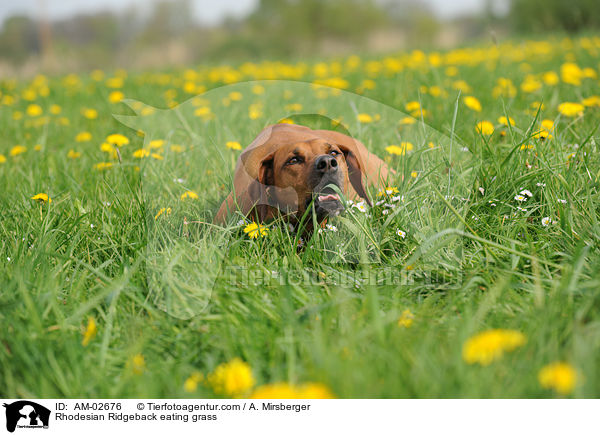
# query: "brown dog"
289,167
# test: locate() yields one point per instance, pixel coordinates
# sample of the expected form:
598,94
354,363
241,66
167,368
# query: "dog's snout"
326,164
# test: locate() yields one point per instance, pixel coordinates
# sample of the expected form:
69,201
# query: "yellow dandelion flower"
407,120
364,118
203,112
431,145
504,121
90,113
84,136
233,378
485,127
412,106
571,73
571,109
2,158
117,139
488,346
255,230
531,84
114,82
593,101
189,194
141,153
235,96
293,107
258,89
559,376
115,96
177,148
72,154
157,156
90,331
42,198
400,150
388,191
103,165
137,364
472,103
286,121
156,143
547,124
406,319
17,149
37,147
55,109
191,384
233,145
527,146
550,78
165,210
34,110
283,390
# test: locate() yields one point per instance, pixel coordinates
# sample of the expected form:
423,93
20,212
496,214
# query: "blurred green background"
59,36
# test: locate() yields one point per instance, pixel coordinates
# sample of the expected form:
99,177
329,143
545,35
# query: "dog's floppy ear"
258,190
355,168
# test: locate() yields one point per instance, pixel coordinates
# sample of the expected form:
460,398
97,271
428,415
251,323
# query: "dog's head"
299,174
290,168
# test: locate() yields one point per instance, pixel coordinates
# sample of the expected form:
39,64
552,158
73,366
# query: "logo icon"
26,414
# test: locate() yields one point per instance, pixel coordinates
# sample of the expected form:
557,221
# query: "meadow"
475,274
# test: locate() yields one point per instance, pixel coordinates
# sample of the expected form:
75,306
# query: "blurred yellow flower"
233,378
400,150
255,230
364,118
103,165
412,106
72,154
17,149
191,384
488,346
2,158
34,110
90,331
571,73
406,319
547,124
283,390
472,103
485,127
55,109
388,191
115,96
141,153
530,84
90,113
593,101
559,376
233,145
571,109
550,78
84,136
189,194
117,139
156,143
504,121
137,363
42,197
407,120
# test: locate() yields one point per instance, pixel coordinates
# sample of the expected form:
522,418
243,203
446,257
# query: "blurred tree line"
275,29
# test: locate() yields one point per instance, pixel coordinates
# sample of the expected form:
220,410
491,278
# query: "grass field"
114,284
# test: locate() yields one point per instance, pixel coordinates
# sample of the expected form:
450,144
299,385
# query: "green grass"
97,251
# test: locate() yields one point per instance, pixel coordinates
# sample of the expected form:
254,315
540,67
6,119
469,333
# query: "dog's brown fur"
266,184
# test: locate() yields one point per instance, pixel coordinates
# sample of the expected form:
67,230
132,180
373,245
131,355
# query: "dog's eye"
294,160
334,153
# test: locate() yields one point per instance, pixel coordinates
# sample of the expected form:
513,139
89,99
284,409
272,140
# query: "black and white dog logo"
26,414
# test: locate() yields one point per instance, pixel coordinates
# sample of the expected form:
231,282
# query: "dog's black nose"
326,164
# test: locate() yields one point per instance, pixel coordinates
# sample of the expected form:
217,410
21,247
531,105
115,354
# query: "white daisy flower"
540,184
360,206
401,233
398,198
482,191
562,201
526,192
546,221
520,198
